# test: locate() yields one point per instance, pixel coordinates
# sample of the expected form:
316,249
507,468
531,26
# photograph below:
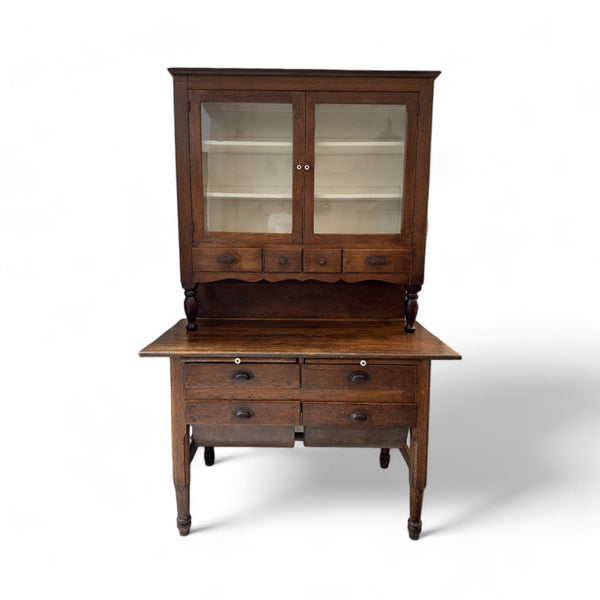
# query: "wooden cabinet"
302,203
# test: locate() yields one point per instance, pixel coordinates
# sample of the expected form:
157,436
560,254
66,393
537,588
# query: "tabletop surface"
299,338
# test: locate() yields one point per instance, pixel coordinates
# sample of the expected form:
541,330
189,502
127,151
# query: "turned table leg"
418,452
181,449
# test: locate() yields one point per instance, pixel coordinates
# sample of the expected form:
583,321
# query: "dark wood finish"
309,339
223,380
302,336
412,307
182,161
322,260
337,414
283,260
190,305
227,259
377,261
328,376
181,449
224,412
209,456
384,458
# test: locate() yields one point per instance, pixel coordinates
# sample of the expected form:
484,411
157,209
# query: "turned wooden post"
411,307
190,305
384,458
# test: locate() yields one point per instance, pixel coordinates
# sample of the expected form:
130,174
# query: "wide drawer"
218,380
377,261
327,376
361,415
227,259
239,412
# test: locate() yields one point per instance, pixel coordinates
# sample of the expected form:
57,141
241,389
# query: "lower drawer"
240,412
361,415
244,435
356,437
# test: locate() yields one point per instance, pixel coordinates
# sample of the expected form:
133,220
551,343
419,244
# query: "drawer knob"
283,261
359,377
322,261
358,416
242,413
242,376
226,259
376,260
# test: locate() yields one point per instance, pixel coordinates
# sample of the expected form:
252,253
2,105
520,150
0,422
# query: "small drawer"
322,261
339,414
327,376
239,412
377,261
228,380
227,259
281,260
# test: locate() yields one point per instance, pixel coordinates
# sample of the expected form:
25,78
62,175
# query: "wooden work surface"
306,338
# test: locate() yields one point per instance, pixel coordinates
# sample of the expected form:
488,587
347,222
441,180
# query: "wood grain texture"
338,414
377,261
354,437
227,259
265,436
308,338
225,377
344,378
242,412
283,260
321,260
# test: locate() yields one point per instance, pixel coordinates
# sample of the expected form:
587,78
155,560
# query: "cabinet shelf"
358,196
249,195
247,146
359,147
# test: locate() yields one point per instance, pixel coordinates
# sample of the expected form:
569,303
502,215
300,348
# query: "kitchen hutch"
302,204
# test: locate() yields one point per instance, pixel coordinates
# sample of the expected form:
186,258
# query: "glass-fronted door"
363,180
243,175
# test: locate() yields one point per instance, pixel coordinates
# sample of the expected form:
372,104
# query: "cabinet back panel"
301,300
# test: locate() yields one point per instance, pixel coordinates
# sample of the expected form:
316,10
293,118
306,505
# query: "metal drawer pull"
242,376
376,260
242,413
359,377
283,260
226,259
358,416
323,261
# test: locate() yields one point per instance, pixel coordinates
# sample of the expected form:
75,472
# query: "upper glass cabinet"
359,168
247,166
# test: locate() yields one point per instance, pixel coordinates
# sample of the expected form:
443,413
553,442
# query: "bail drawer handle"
359,377
242,376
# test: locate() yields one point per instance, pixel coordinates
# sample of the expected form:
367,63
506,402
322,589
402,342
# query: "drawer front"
239,412
339,414
280,260
227,259
218,380
377,261
322,261
354,377
244,435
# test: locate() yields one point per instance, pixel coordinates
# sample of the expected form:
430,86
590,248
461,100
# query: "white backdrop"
89,271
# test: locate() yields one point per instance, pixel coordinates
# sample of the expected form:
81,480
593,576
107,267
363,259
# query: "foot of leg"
384,458
209,456
184,525
414,522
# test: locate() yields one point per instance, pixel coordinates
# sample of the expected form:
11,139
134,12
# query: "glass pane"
247,166
359,168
